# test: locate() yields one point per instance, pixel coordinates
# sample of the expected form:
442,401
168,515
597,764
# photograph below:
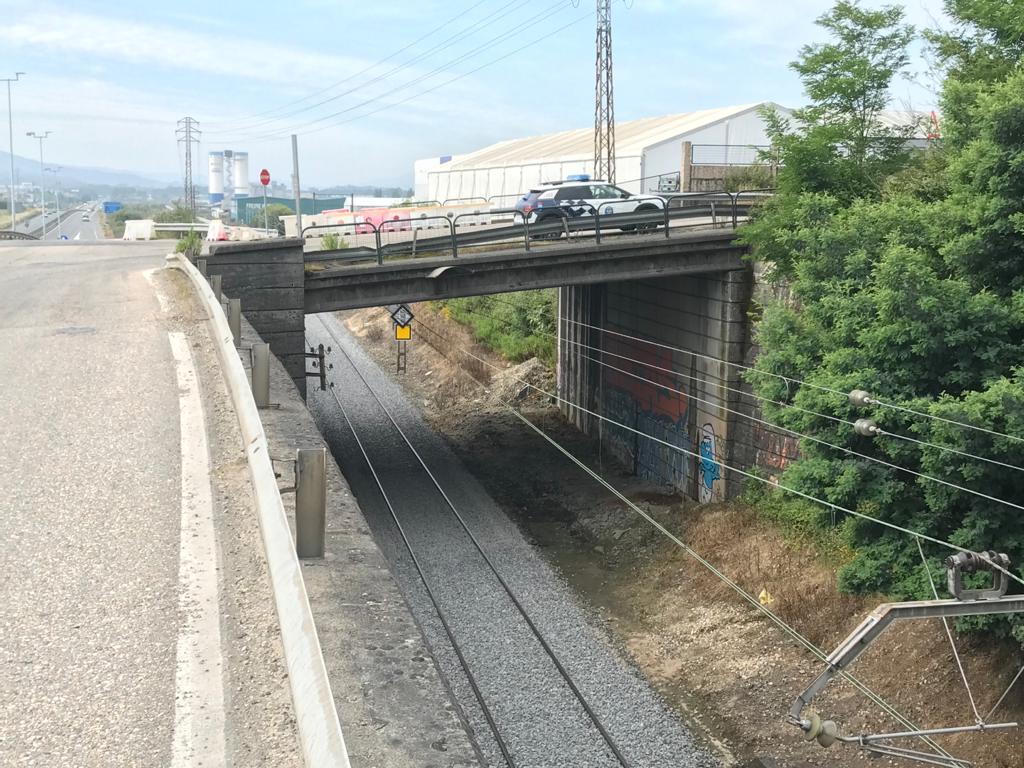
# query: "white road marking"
165,305
198,680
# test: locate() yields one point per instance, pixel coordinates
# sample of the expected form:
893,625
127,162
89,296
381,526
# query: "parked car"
580,196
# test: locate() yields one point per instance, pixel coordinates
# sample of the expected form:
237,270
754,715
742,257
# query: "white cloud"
170,47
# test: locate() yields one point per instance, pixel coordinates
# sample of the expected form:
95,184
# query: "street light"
10,135
56,171
42,185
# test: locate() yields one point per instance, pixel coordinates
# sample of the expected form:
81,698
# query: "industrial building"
228,178
684,152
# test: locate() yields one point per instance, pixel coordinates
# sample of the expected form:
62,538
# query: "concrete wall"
707,314
269,277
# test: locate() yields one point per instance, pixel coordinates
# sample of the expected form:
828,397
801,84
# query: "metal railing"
547,224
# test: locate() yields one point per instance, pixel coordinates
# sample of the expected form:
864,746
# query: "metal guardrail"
9,234
723,208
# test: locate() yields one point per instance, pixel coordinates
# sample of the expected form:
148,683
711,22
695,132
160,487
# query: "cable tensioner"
965,602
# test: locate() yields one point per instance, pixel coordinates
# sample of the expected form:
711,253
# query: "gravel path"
538,716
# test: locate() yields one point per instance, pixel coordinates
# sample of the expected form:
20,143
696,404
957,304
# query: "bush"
517,326
749,177
191,244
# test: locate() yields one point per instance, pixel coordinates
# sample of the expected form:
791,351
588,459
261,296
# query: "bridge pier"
704,313
269,278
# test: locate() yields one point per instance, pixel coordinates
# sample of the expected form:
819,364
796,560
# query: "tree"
274,213
911,287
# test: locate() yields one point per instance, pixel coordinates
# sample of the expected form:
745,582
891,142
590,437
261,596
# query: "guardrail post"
310,501
201,265
235,320
261,374
215,282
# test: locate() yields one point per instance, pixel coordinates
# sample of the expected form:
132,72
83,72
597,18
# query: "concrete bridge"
689,292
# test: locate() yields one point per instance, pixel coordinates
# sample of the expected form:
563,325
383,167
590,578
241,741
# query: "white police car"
580,196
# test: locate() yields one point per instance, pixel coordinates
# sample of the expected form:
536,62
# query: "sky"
371,86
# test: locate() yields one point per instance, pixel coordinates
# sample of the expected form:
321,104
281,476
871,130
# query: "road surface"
72,225
111,652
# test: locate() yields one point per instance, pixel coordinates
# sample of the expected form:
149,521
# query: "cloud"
170,47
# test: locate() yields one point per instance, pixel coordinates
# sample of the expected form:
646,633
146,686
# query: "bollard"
235,320
215,284
261,374
201,264
310,501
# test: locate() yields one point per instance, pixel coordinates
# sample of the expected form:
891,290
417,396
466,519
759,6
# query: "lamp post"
56,175
10,136
42,185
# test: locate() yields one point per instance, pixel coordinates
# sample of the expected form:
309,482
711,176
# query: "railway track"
537,684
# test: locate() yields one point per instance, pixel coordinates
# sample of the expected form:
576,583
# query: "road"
73,226
112,589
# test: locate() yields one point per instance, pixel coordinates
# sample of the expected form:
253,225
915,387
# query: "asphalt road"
537,715
73,226
112,581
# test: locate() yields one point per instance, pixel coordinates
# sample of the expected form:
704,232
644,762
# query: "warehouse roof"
631,138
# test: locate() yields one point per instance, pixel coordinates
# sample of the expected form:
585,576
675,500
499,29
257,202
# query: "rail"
547,224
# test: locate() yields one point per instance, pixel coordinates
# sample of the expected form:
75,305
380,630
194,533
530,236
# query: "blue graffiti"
710,470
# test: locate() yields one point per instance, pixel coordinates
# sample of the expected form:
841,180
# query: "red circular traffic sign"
264,177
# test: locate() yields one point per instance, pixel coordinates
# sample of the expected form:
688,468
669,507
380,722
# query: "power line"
753,418
604,97
744,473
363,71
188,134
447,43
391,105
792,632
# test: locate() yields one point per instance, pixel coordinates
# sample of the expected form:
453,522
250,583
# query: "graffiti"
708,469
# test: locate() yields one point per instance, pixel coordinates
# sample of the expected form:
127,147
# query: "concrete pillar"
686,168
235,320
310,502
261,374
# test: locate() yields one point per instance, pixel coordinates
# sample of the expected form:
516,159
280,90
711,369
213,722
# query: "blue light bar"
578,177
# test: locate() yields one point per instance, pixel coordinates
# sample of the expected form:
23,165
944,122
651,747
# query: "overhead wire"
490,563
788,380
456,647
694,379
744,473
363,71
424,92
780,623
443,45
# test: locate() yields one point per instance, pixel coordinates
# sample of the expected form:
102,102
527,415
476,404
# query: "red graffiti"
656,400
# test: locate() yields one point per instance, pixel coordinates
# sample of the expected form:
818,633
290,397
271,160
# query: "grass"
5,217
516,326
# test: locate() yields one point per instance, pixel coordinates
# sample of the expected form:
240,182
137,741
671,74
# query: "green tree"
911,287
274,213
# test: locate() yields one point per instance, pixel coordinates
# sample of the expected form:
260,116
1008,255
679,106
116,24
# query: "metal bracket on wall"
320,366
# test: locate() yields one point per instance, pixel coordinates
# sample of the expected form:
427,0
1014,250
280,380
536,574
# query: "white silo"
241,174
216,177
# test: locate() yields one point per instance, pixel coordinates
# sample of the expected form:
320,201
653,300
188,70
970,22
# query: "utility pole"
56,175
188,133
42,183
10,137
295,185
604,100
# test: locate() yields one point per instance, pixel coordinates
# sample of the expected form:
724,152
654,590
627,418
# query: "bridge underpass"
624,300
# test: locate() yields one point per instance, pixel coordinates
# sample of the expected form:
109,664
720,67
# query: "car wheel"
550,219
647,226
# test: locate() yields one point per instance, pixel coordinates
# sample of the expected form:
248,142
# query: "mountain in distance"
26,169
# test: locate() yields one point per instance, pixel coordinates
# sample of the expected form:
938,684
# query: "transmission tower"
604,100
188,134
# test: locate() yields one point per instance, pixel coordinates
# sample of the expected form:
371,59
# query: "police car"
580,196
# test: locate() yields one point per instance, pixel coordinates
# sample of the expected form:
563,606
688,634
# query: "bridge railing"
654,211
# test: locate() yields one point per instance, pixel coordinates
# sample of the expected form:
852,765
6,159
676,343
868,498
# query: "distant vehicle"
580,196
85,217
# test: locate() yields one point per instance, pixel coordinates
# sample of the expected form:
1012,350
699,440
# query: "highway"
73,226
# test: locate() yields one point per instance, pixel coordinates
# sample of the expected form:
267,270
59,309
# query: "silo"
241,174
216,177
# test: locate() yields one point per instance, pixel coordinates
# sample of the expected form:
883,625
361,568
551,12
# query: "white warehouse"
652,154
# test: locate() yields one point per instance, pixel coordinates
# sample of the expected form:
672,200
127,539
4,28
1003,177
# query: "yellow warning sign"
403,332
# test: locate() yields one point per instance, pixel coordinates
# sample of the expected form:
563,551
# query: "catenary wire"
255,128
490,563
694,379
788,380
949,634
363,71
787,629
744,473
1005,693
499,739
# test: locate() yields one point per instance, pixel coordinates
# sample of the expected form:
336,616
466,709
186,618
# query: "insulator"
866,427
860,398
